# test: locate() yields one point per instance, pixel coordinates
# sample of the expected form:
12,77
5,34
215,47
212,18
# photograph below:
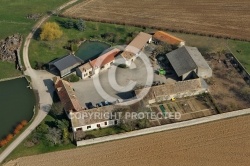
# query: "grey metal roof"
181,60
198,58
66,62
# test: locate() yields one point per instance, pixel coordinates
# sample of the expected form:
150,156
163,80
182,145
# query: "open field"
13,14
13,20
226,18
223,143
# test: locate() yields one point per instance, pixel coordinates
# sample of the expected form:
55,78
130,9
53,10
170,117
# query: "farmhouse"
67,96
95,118
81,118
65,65
188,62
167,38
176,90
99,64
135,47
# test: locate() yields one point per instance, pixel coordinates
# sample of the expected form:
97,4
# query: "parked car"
89,105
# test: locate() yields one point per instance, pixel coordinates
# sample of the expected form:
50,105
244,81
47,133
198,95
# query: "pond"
90,50
16,104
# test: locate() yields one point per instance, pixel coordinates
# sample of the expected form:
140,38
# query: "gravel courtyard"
117,83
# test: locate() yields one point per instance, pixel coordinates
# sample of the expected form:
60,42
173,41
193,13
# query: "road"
41,81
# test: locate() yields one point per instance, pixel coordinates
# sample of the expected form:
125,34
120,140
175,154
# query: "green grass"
242,51
40,148
7,70
45,51
13,20
204,43
13,14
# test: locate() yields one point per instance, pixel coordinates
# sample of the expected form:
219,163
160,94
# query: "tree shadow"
37,33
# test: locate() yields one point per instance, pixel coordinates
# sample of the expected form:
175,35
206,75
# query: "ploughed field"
224,143
228,18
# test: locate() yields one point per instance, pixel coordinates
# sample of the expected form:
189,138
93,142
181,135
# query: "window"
105,123
88,127
98,125
115,122
79,129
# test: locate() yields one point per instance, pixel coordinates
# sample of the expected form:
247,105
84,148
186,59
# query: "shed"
66,64
188,60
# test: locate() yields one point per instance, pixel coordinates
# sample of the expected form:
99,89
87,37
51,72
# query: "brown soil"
225,85
220,18
223,143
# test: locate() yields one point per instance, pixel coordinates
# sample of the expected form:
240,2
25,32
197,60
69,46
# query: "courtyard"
117,83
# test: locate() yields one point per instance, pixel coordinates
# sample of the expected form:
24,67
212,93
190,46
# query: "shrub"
9,137
50,31
72,78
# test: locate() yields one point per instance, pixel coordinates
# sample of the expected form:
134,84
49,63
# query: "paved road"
41,81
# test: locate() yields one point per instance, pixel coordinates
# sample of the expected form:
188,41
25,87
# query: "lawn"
40,148
7,70
13,20
45,51
13,14
242,51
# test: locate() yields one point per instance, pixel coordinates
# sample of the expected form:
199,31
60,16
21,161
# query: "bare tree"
54,136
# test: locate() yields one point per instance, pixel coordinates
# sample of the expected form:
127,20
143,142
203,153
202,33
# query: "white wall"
82,73
94,125
204,72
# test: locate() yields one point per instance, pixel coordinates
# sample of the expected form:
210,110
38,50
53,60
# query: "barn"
65,65
135,47
188,62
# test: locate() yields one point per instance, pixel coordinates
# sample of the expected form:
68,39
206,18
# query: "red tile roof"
67,96
165,37
105,58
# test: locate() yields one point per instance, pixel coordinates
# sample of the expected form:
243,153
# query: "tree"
24,122
42,128
65,136
3,142
69,24
79,135
54,136
9,137
163,48
50,31
80,25
56,109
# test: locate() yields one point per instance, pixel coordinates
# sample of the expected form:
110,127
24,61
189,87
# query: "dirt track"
220,143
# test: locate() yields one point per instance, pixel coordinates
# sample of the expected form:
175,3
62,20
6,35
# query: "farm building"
99,64
65,65
188,62
79,116
176,90
167,38
135,47
67,96
95,118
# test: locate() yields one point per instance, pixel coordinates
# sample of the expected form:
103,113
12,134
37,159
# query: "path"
41,81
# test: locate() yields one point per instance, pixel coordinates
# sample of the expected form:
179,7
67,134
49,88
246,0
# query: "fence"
238,65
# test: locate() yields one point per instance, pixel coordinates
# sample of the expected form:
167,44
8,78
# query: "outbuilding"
188,62
65,65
